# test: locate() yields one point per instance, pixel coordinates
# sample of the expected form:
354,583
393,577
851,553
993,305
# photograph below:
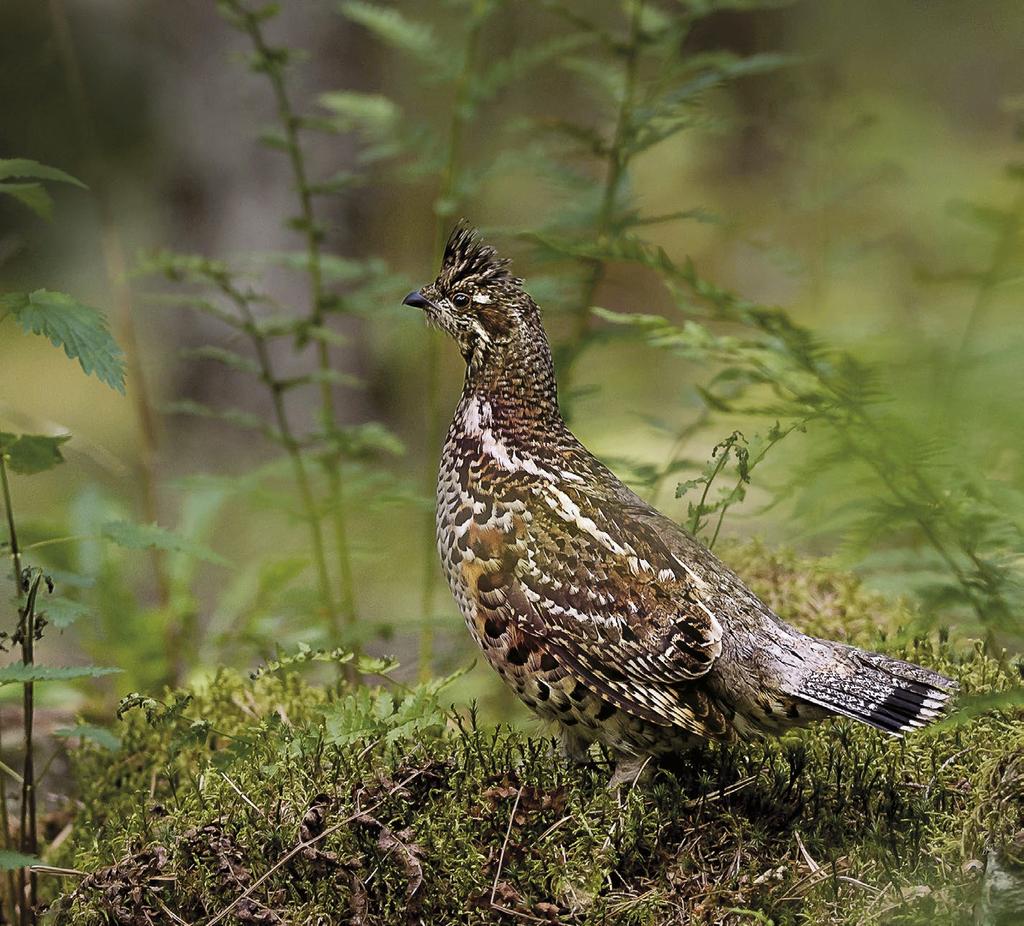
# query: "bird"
604,615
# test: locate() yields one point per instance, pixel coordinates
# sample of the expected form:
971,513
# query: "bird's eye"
460,300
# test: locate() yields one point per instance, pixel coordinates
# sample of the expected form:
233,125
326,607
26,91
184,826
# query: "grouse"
603,614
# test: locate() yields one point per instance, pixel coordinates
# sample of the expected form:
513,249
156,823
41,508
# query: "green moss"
215,798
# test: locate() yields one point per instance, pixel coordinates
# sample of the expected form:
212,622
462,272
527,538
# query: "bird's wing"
606,581
593,582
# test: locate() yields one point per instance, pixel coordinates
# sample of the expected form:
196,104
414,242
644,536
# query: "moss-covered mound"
274,801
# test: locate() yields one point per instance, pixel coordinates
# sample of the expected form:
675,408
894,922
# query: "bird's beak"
418,301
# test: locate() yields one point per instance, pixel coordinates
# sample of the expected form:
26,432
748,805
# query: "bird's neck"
516,386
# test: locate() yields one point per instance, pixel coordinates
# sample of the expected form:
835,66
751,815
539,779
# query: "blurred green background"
860,176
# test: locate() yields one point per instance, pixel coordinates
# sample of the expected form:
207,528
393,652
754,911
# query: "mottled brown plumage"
603,614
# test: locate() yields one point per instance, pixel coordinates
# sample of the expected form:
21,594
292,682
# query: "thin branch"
329,421
617,161
291,445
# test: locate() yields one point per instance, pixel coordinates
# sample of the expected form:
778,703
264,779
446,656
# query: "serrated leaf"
62,612
18,673
152,536
33,195
11,860
23,167
101,736
32,453
80,329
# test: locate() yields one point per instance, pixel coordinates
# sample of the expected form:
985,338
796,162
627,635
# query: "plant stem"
5,841
26,886
12,532
29,833
695,524
293,450
434,417
16,556
331,461
1005,249
617,162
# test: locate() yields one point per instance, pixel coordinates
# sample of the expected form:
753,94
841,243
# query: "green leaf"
23,167
63,612
235,416
80,329
32,453
33,195
395,29
152,536
11,861
520,61
371,114
374,665
18,673
229,358
181,268
362,440
101,736
303,654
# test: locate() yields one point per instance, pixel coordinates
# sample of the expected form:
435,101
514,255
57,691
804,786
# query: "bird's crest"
467,257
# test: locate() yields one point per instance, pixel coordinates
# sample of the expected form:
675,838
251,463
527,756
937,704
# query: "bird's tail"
887,693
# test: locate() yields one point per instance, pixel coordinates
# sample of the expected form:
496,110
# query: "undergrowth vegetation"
269,800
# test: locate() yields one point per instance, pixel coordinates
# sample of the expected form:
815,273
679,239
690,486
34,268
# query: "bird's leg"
573,747
629,770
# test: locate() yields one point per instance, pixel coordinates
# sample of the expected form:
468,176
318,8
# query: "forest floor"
274,799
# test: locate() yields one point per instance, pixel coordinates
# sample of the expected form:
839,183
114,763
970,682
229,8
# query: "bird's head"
476,300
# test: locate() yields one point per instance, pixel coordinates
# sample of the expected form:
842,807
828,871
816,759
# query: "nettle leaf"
23,167
80,329
18,673
101,736
28,454
19,178
11,861
152,536
33,195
